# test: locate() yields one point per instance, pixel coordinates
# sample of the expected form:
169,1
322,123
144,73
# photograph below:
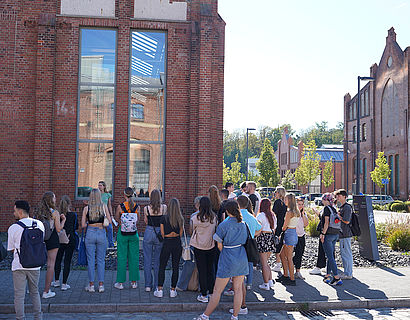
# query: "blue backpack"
32,252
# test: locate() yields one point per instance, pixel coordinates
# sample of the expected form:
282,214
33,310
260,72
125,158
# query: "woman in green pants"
127,241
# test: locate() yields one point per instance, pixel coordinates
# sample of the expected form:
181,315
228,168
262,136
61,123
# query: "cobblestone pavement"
376,314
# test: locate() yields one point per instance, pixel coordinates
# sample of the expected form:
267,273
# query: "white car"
381,199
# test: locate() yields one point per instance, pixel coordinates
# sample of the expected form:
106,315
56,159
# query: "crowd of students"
219,229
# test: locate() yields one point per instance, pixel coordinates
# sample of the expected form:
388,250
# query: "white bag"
186,250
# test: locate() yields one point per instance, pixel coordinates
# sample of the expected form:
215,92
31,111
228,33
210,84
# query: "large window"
96,107
147,111
391,182
397,174
364,132
364,175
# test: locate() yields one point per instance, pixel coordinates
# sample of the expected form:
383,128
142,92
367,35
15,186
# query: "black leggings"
65,250
171,246
205,262
299,250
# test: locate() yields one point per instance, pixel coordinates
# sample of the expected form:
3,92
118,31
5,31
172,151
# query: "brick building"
126,91
384,122
288,157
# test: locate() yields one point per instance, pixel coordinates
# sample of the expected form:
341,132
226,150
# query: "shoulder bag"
82,255
251,247
186,250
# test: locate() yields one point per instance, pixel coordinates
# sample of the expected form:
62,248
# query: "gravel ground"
388,257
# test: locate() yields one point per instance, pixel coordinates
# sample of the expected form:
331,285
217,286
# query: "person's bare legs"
289,261
284,261
239,289
220,284
51,260
266,271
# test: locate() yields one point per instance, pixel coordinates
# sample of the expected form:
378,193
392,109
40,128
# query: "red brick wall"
39,87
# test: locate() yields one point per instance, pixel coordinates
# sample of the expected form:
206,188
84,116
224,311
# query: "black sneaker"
289,282
281,278
336,282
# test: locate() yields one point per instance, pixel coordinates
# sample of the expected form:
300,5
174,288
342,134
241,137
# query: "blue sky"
293,61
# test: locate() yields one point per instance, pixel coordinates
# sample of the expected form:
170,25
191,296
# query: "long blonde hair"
95,205
46,203
292,207
281,192
176,220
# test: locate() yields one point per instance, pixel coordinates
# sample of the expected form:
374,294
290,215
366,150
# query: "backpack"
334,221
354,223
129,220
32,253
47,229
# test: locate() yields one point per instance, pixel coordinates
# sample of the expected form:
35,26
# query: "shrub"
398,207
399,240
389,206
312,227
381,231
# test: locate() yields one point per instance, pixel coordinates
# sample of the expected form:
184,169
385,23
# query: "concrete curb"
185,307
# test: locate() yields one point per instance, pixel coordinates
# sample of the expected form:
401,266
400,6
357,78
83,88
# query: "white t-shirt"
14,235
259,201
300,229
231,196
261,217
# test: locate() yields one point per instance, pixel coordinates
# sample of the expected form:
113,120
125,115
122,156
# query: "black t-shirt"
167,226
326,213
279,208
253,199
222,211
71,223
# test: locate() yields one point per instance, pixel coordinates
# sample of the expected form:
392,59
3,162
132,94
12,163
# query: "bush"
389,206
399,240
381,231
398,207
312,227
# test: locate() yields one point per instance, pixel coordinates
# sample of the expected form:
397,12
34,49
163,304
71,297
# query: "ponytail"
232,208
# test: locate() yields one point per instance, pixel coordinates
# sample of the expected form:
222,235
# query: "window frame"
79,84
164,87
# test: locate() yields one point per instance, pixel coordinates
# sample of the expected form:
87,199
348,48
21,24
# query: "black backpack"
32,251
354,223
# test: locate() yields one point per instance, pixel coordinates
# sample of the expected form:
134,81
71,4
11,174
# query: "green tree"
381,170
226,176
268,166
309,167
322,134
288,180
327,174
235,172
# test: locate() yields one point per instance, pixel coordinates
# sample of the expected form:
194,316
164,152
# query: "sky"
293,61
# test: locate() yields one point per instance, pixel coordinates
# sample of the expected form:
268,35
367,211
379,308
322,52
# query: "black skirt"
53,242
266,242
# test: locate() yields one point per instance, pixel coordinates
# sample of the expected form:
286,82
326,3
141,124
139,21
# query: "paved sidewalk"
371,288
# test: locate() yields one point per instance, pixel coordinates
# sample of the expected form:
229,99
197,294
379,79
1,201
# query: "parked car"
349,200
381,199
266,192
313,196
297,193
318,201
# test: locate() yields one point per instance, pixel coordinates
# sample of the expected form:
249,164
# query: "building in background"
129,92
384,123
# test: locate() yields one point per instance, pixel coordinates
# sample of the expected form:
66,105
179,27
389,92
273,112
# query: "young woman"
95,238
279,209
328,237
128,242
66,250
152,244
290,240
266,241
203,225
216,201
47,213
172,226
106,198
300,231
231,236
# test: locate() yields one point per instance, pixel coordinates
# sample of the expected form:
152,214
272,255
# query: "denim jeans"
110,236
186,272
329,247
152,250
347,256
249,277
95,243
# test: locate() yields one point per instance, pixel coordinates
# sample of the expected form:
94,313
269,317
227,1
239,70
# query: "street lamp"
247,150
347,163
358,132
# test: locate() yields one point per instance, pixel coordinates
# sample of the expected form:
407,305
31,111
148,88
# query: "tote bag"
82,255
251,247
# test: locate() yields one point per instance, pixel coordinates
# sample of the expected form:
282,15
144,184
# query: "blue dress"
232,261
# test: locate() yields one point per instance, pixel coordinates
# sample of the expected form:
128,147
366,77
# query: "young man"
21,275
345,237
230,187
244,189
255,229
251,187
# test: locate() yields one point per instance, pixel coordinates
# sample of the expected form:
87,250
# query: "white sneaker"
298,275
345,277
277,267
265,286
158,293
241,311
101,288
65,287
48,294
202,298
90,288
271,283
118,286
172,293
248,287
229,292
147,289
55,283
315,270
134,285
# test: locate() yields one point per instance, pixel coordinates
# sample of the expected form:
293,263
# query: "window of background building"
147,111
364,166
364,132
391,182
354,112
350,112
96,106
366,102
283,159
362,105
390,110
397,174
354,133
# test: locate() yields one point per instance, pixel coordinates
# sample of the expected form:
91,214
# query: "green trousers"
128,248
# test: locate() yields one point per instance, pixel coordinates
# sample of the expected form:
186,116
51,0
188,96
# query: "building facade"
125,91
384,123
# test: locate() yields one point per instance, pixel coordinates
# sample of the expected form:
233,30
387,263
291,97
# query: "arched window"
354,133
390,110
364,132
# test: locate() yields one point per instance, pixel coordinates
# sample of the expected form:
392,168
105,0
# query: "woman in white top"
300,231
266,240
290,240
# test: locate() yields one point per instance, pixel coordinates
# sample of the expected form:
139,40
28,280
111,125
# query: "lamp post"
247,150
334,173
347,163
358,138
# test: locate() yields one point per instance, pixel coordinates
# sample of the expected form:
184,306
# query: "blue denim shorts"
290,238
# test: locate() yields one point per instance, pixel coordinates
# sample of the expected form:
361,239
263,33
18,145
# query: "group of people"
219,228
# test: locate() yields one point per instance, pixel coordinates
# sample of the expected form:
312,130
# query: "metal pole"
358,138
347,167
247,155
334,174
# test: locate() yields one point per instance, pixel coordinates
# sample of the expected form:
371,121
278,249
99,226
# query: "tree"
309,167
327,174
381,170
226,176
288,180
268,166
235,172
